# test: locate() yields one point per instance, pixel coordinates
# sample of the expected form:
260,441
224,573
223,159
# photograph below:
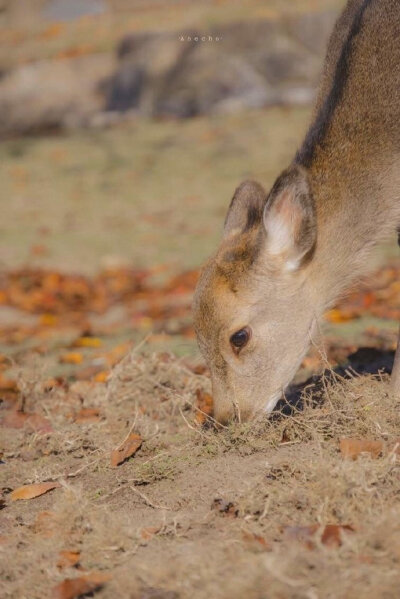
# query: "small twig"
72,474
148,501
129,432
208,417
196,430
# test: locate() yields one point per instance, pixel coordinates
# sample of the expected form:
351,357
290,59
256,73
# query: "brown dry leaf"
7,384
68,559
205,406
70,588
331,534
126,450
18,419
32,491
87,415
352,448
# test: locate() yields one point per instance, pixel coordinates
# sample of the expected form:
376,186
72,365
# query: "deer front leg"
395,380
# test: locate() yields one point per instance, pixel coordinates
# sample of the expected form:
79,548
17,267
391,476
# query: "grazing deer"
286,256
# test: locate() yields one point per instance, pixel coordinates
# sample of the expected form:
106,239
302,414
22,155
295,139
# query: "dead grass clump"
358,407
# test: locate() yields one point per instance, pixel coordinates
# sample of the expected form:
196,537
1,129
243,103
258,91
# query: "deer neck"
358,206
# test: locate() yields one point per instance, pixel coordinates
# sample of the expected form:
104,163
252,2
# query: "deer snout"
228,407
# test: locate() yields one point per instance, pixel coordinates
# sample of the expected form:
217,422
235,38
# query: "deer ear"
290,219
246,208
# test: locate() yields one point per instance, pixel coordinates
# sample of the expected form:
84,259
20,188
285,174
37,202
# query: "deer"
287,255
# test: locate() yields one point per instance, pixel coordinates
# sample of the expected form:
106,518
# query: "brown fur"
287,255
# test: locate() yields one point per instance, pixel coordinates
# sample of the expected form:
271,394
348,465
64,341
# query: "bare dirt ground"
285,508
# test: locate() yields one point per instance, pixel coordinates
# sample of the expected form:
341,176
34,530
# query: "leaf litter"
197,504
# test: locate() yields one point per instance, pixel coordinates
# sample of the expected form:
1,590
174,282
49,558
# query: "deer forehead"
224,293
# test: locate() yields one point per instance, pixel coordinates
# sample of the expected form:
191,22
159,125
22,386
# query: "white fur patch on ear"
280,232
289,219
282,221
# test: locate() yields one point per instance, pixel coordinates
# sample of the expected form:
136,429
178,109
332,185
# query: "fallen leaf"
70,588
7,384
87,415
331,534
68,559
71,358
32,491
88,342
48,320
205,405
126,450
102,376
18,419
352,448
338,316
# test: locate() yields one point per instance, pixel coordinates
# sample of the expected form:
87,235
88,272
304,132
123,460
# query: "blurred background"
125,127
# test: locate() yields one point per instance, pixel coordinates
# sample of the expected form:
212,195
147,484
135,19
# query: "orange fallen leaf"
48,320
338,316
71,358
32,491
88,342
352,448
71,588
102,376
126,450
205,406
68,559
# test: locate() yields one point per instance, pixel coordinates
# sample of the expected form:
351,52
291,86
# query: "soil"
200,510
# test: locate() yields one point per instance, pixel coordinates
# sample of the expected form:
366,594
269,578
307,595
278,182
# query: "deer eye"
239,339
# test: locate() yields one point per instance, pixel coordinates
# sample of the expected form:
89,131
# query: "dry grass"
153,522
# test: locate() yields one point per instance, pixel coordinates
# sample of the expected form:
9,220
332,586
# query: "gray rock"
180,74
254,64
